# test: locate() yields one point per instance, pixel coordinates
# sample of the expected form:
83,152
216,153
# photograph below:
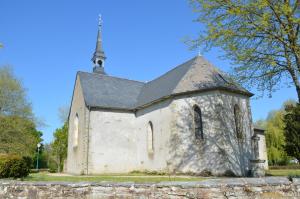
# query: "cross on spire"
100,22
99,56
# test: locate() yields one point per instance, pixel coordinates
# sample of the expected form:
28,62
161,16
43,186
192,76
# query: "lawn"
137,177
283,172
111,178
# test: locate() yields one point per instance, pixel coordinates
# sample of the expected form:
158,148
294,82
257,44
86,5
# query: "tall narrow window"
150,138
238,122
76,130
198,125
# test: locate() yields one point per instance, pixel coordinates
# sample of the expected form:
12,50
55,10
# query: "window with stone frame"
198,124
238,121
150,143
76,130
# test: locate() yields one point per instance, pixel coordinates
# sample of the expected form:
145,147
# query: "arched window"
238,121
76,130
198,125
150,138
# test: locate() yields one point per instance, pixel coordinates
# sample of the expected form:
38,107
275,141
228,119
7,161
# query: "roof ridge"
96,75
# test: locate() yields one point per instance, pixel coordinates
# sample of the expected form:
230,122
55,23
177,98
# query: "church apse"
220,152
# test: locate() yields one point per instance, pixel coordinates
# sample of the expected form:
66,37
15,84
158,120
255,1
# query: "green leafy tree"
13,101
261,38
275,134
292,130
18,136
18,132
275,139
49,158
60,146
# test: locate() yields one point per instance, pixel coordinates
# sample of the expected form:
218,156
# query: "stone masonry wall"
220,151
233,188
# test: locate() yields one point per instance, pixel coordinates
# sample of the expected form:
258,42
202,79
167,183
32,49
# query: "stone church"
192,119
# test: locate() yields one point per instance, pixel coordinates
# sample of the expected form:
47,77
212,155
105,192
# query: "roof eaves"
111,108
77,77
191,92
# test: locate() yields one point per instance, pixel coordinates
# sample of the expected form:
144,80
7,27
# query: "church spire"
99,56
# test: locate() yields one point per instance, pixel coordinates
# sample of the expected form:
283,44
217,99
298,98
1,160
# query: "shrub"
229,173
290,177
205,173
4,166
147,172
19,168
29,161
52,169
14,166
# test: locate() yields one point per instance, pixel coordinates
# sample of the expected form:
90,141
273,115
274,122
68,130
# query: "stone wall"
117,137
233,188
112,142
76,160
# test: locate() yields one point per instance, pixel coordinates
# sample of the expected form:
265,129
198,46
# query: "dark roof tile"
109,92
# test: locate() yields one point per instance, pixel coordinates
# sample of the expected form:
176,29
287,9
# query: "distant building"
192,119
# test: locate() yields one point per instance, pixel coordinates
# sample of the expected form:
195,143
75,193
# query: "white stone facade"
116,141
263,149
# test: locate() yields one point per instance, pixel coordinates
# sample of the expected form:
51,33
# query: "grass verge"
283,172
109,178
137,177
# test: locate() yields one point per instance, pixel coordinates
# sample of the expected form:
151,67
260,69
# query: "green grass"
138,177
283,172
110,178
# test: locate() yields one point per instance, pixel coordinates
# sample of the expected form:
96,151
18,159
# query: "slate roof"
196,74
109,92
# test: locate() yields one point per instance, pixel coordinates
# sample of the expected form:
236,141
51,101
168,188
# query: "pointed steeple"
99,56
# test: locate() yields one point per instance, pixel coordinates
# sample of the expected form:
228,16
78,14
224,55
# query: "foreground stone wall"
271,187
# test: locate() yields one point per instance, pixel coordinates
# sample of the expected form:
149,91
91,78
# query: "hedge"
14,166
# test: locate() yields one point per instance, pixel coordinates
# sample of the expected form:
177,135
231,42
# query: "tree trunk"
297,85
298,93
296,82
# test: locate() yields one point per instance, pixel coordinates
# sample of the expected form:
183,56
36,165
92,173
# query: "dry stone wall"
233,188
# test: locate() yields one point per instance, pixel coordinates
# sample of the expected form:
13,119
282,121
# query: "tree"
13,101
261,38
18,136
275,139
275,135
18,133
292,130
63,113
49,158
60,145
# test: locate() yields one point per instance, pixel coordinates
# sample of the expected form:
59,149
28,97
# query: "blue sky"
47,42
